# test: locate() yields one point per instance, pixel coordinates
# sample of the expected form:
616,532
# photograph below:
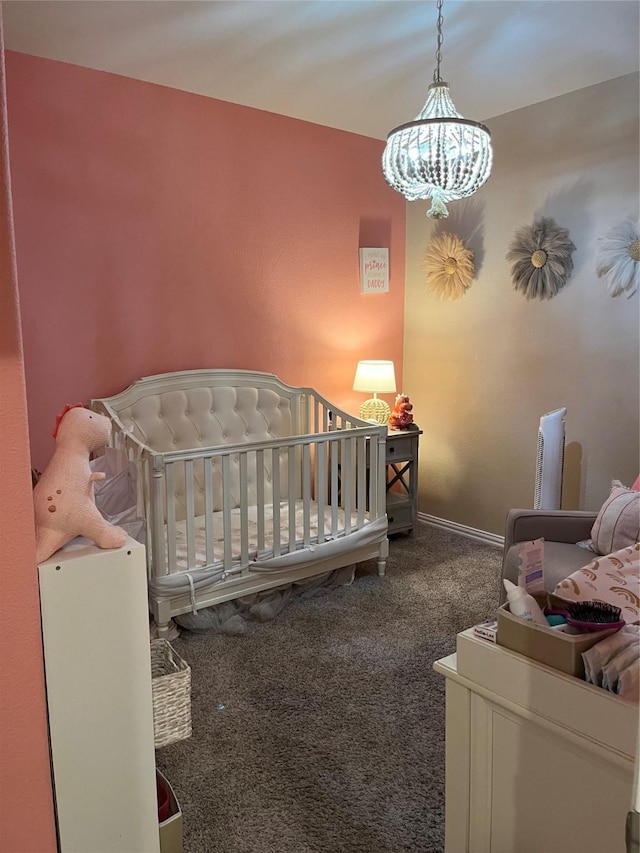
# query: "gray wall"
482,369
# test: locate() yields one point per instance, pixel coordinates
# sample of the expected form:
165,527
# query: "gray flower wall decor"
618,258
541,255
448,266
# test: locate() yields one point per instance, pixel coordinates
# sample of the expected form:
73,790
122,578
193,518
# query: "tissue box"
546,645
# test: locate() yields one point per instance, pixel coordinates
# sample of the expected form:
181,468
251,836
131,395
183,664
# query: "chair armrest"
524,525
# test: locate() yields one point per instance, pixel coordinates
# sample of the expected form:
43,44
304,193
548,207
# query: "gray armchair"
561,529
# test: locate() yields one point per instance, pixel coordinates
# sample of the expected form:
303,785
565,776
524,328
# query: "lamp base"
375,410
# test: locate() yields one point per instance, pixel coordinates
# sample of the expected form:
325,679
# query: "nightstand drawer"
400,448
399,517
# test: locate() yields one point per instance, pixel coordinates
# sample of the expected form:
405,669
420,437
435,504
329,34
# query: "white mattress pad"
266,552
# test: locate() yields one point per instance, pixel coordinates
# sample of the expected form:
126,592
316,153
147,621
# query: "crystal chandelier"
439,155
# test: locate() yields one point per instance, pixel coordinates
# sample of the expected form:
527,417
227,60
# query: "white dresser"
536,761
95,626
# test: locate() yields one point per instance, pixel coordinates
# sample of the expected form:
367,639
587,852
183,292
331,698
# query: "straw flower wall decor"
541,255
618,258
448,266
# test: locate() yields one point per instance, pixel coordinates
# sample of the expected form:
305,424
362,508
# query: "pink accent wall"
158,230
26,801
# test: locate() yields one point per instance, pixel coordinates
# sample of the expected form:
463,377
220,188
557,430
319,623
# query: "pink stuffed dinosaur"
63,496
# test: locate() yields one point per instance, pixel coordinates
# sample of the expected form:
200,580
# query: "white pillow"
618,523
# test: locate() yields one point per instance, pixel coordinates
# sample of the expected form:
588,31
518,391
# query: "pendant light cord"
436,74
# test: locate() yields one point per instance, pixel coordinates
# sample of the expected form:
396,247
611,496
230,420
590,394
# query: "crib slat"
208,510
306,496
347,482
326,420
260,475
143,501
171,517
226,512
293,468
373,476
158,554
377,488
275,483
295,415
244,510
190,513
361,477
304,402
336,450
322,474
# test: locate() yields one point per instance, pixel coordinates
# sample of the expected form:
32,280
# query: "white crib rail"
331,470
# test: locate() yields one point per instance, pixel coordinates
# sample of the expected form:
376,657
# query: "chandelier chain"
436,74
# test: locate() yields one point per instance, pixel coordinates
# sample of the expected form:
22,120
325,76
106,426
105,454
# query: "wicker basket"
171,689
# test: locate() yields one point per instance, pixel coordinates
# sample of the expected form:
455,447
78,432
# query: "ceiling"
357,65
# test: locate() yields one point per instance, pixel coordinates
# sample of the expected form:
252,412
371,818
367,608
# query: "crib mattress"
330,530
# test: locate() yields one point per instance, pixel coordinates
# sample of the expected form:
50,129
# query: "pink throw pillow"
614,579
618,522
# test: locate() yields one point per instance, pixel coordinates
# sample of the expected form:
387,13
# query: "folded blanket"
629,682
618,664
599,656
614,663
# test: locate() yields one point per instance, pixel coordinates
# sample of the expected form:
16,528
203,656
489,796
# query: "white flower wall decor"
618,258
448,266
541,255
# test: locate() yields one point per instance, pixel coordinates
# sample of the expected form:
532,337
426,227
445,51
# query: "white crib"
247,484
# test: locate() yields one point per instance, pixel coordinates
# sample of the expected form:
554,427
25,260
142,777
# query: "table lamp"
378,377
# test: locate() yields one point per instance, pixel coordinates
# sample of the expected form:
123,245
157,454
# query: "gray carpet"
322,731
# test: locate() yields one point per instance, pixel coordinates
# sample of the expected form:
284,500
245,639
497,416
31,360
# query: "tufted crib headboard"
206,416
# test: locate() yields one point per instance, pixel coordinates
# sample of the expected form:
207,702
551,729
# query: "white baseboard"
483,536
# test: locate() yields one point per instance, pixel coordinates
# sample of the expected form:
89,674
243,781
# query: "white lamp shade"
377,376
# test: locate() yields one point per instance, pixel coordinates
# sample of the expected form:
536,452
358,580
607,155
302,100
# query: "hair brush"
591,615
